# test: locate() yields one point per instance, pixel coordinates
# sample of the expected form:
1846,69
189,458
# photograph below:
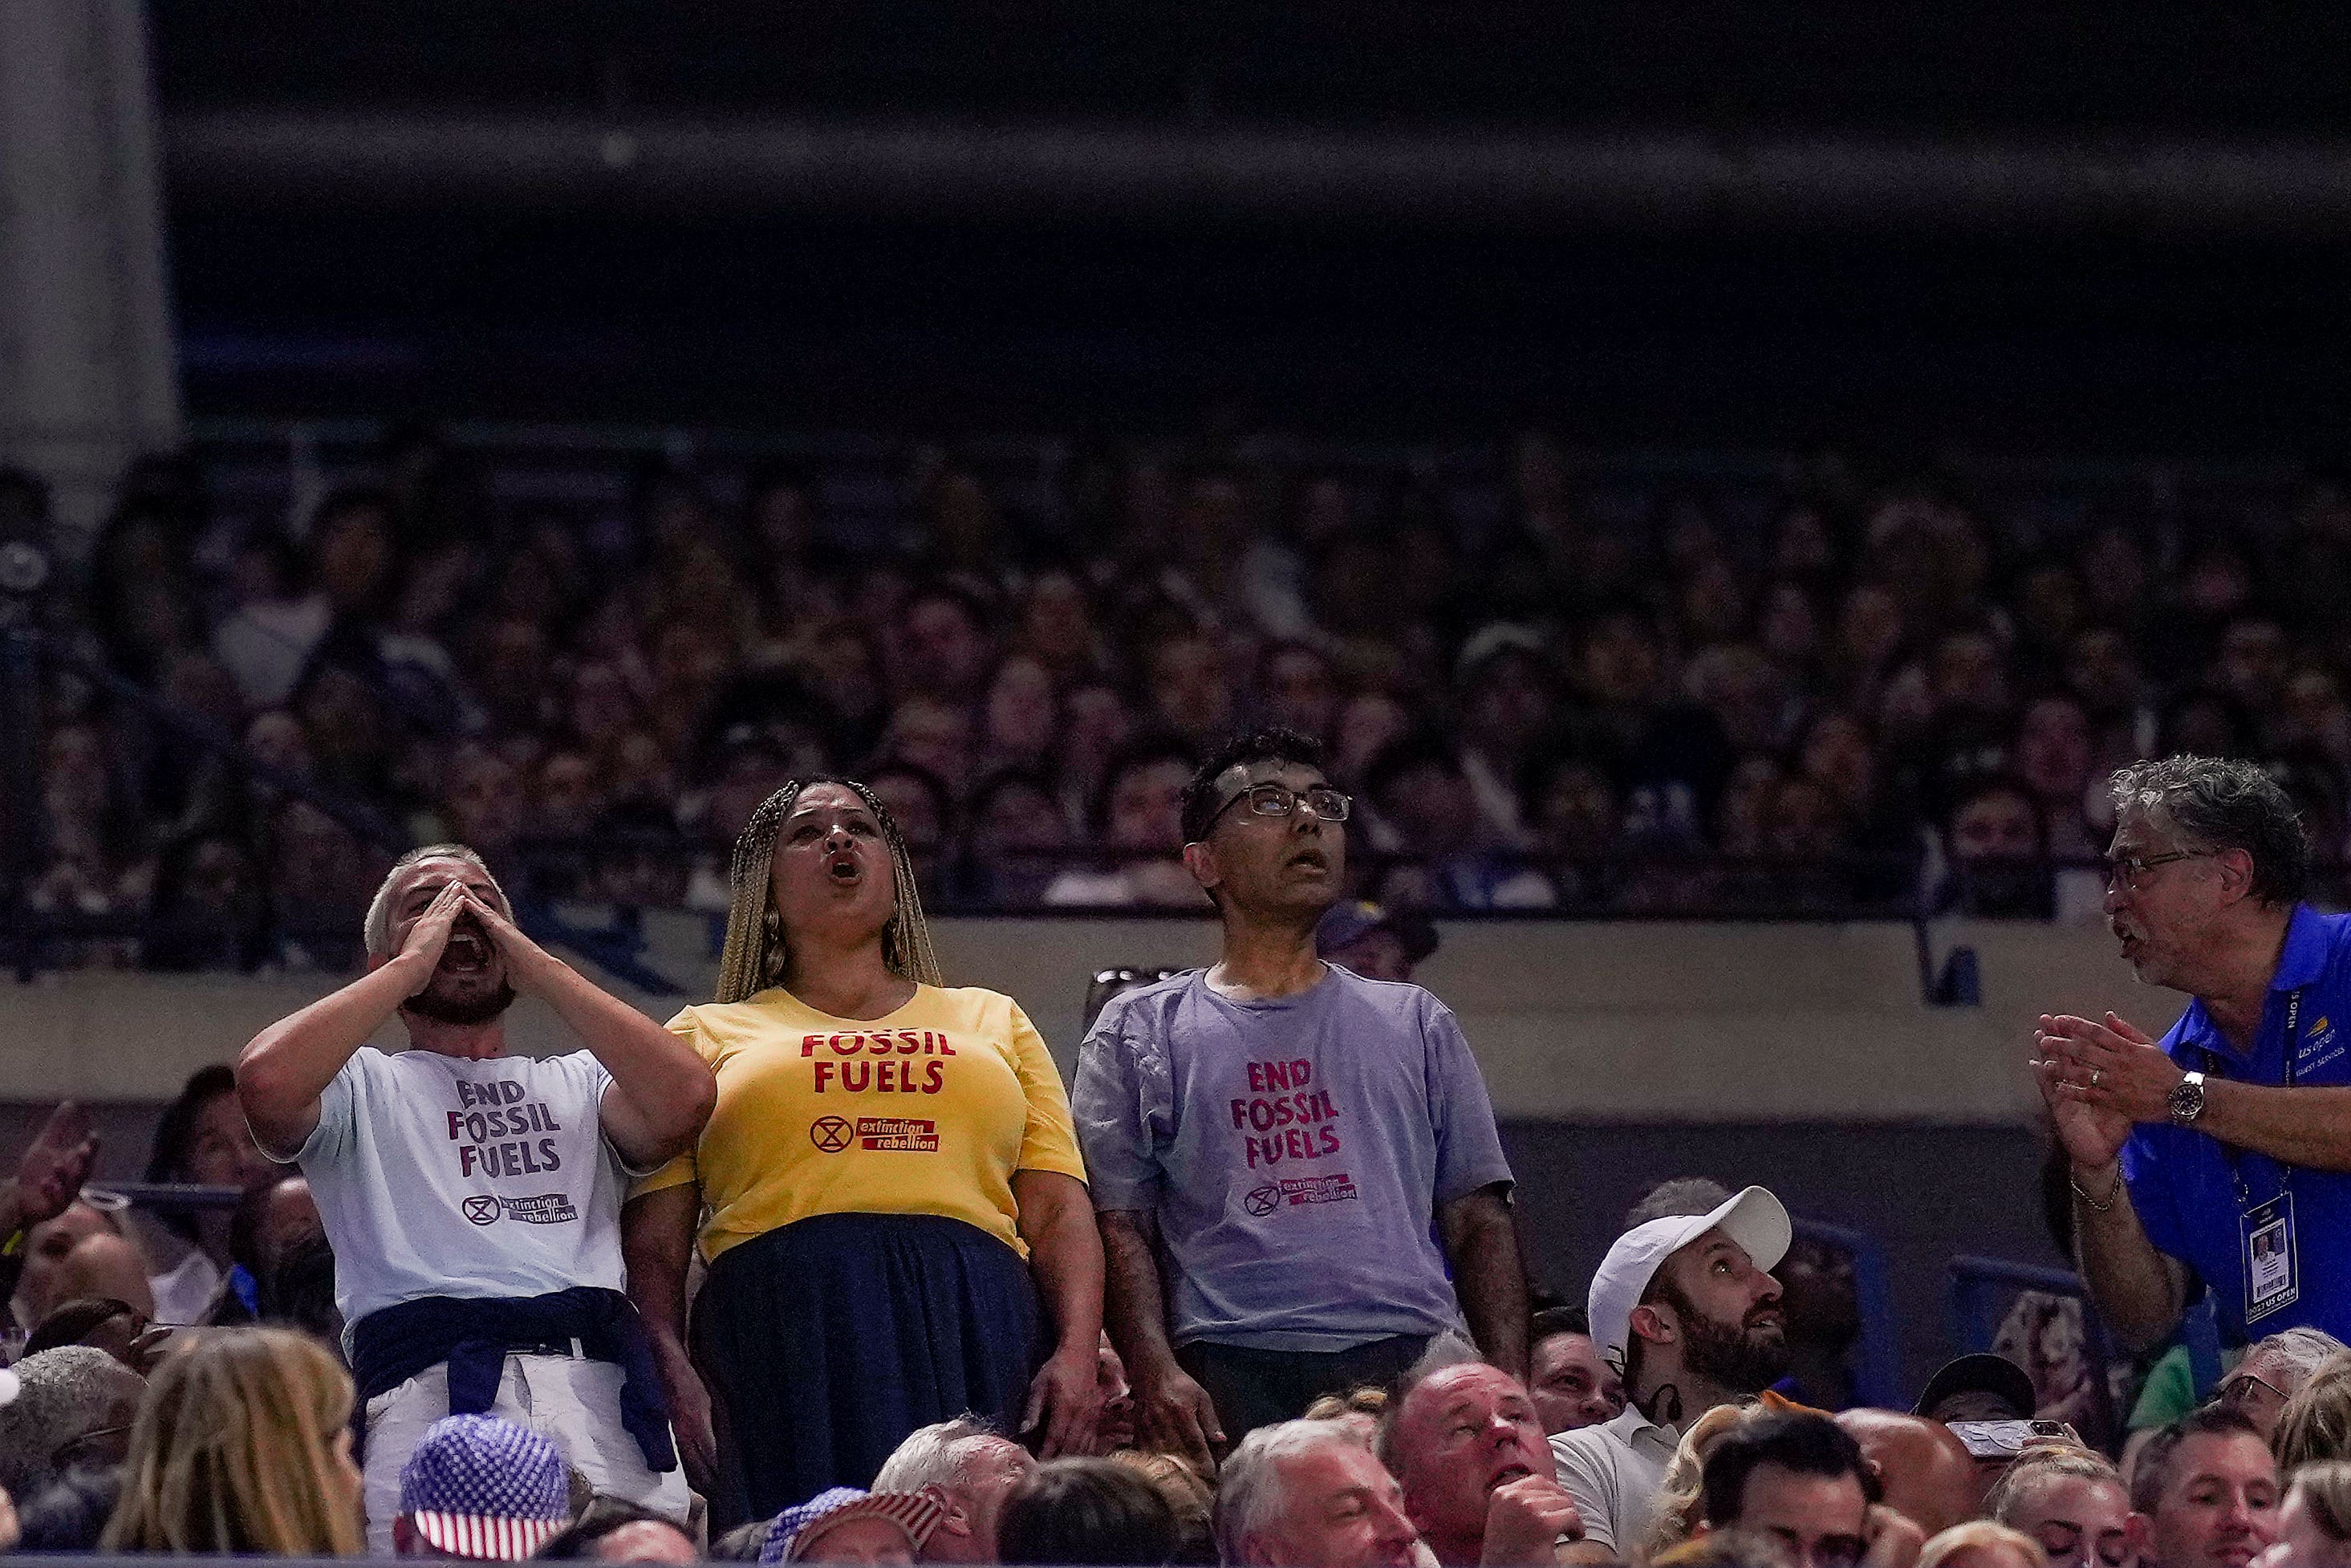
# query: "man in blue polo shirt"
2221,1155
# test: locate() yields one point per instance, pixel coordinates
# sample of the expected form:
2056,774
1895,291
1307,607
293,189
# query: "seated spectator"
1684,1305
73,1406
243,1445
70,1515
1359,1410
1980,1387
1680,1506
1823,1307
2315,1424
2073,1504
1307,1494
1571,1385
2273,1371
1997,847
1468,1451
101,1322
1798,1480
613,1529
2314,1524
1422,796
1016,836
1138,818
480,1488
2208,1488
201,1139
1980,1543
1087,1511
1188,1492
971,1468
842,1524
274,1219
1376,943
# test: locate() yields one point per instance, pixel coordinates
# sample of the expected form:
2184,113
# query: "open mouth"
844,870
1311,860
1505,1475
466,952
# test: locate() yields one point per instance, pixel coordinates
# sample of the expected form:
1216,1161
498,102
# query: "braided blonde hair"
754,956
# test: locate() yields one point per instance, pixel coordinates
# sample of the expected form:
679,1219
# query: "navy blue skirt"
827,1342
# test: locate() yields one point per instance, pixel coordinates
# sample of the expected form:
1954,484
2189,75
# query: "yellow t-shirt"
928,1111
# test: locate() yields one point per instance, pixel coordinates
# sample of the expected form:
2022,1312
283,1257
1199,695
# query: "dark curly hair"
1273,743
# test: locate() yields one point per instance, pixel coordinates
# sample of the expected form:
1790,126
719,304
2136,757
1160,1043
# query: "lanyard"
2212,1065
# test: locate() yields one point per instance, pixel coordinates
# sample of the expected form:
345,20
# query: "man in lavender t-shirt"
1312,1154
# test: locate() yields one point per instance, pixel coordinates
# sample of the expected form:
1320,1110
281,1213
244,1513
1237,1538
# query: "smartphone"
2006,1439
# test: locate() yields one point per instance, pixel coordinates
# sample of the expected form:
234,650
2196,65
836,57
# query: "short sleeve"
1113,1117
1461,1117
683,1171
331,1139
1050,1142
1586,1479
2151,1194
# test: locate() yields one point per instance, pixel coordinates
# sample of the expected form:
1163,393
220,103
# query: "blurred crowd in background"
1838,689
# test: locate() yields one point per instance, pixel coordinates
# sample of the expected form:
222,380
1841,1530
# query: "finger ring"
2095,1073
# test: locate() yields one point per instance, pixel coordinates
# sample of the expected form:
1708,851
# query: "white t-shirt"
437,1176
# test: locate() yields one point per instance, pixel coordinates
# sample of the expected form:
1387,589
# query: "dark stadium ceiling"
1950,67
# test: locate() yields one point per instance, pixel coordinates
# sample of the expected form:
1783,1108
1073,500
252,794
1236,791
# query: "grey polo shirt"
1614,1471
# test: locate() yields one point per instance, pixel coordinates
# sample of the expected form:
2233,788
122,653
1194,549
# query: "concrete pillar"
86,373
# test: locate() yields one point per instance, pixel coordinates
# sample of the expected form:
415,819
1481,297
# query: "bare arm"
1065,1254
1481,1240
2140,1292
1174,1413
661,1091
283,1070
657,1246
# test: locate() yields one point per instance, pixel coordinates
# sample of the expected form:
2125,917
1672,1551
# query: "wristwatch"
2185,1100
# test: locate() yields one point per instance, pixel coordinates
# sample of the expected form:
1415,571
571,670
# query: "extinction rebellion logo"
545,1208
884,1134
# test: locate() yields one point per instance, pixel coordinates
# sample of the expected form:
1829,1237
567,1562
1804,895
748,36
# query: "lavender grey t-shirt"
1293,1153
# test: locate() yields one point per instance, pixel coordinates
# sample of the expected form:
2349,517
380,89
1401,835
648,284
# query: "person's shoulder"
1585,1448
1403,1000
1145,1008
760,1007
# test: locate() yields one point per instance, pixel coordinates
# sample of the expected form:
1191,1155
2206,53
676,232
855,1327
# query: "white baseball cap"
1755,1219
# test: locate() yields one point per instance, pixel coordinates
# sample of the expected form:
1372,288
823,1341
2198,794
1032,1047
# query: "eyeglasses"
2133,870
2240,1388
1274,800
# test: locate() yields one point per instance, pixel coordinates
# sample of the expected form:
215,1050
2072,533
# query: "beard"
1732,1355
461,1009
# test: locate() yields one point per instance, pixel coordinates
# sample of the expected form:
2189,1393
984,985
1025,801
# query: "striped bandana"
479,1487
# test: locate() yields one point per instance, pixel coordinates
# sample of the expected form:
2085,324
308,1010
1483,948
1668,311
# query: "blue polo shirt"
2180,1177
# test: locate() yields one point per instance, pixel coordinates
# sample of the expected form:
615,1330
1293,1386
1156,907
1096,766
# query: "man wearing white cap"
1686,1311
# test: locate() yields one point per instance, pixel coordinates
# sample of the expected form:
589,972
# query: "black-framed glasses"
1276,800
2133,870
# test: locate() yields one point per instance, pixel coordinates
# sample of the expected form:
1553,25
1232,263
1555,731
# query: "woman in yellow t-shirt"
889,1196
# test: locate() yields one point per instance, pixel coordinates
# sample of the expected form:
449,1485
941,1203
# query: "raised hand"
1524,1520
430,934
51,1170
2092,1133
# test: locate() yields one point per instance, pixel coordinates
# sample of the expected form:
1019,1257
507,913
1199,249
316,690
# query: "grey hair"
2217,804
377,929
1445,1351
66,1393
1249,1493
931,1456
2303,1351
